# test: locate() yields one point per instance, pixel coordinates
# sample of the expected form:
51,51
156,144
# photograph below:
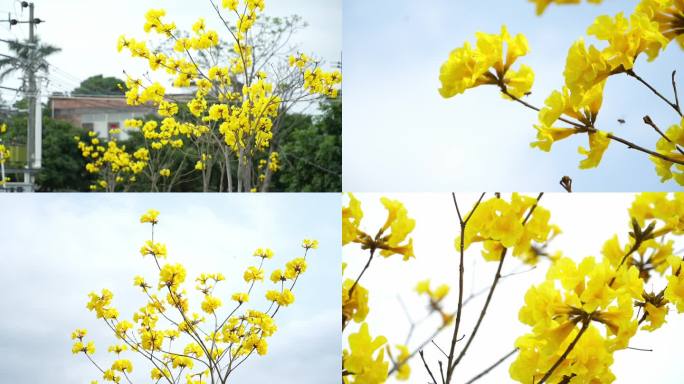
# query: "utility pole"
34,126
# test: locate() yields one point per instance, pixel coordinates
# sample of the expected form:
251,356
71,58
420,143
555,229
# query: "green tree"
63,166
312,151
100,85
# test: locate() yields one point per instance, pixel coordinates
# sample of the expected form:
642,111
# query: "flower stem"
585,326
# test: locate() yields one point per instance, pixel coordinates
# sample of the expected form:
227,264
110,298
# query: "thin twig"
674,106
585,326
640,349
584,128
466,301
649,121
497,277
459,308
440,349
427,367
491,367
356,282
674,87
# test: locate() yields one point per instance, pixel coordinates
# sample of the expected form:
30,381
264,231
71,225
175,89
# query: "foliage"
177,340
573,109
579,318
312,151
100,85
63,168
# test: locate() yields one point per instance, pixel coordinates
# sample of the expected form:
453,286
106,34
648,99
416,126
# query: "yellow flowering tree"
237,101
579,317
199,345
574,108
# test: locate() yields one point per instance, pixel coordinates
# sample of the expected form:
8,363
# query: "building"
99,114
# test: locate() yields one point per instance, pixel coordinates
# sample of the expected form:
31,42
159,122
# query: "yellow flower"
240,297
469,67
437,295
231,4
210,304
362,362
310,244
295,267
351,219
253,274
154,249
171,276
666,210
674,292
584,69
543,4
78,334
354,307
627,38
499,224
277,276
403,370
401,226
598,143
117,348
122,366
668,15
655,316
285,298
264,253
669,147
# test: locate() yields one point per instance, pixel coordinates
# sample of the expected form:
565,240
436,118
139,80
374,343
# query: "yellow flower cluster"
364,360
585,312
316,80
150,217
489,62
79,346
250,124
648,30
4,151
671,147
543,4
398,222
354,307
110,160
586,111
435,297
238,336
499,225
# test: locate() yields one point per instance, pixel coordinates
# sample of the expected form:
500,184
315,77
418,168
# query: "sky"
57,248
401,135
88,31
587,221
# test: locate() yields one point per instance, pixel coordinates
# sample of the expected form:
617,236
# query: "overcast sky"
58,248
401,135
587,221
87,32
